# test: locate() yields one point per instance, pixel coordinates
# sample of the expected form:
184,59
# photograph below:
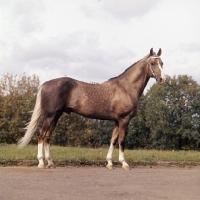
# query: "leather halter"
154,75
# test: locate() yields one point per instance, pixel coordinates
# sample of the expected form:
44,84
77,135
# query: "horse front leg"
112,144
121,141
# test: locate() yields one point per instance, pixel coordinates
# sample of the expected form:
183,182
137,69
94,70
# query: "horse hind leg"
112,144
48,126
47,153
40,154
44,144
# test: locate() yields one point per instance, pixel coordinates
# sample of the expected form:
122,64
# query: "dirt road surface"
95,183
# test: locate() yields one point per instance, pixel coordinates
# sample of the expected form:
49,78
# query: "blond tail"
32,125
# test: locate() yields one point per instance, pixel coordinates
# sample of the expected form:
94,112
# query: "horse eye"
152,64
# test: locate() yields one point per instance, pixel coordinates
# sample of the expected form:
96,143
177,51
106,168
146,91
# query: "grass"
10,155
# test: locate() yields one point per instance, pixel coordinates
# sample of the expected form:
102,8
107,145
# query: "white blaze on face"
162,73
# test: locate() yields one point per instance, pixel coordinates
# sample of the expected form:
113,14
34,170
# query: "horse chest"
124,106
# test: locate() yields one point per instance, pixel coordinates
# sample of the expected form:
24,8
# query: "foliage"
17,97
72,130
138,132
172,114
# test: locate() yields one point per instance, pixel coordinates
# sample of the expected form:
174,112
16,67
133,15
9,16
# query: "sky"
94,40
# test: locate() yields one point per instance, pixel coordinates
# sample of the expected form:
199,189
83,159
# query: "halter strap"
152,71
154,56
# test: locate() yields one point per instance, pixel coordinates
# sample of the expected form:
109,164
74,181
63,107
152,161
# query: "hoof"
41,166
126,167
51,166
109,166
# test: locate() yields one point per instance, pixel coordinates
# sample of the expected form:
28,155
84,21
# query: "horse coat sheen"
115,99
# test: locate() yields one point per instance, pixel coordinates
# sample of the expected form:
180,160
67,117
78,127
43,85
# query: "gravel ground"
94,183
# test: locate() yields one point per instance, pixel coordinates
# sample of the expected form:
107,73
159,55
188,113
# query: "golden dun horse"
115,99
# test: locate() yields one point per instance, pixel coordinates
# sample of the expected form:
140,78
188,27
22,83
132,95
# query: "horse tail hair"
32,125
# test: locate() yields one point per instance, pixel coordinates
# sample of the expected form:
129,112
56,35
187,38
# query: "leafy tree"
171,113
102,132
72,130
138,133
17,98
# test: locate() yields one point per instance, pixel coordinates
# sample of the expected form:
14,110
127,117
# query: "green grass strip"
10,155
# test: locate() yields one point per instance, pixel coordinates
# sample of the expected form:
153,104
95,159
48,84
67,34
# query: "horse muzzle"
161,80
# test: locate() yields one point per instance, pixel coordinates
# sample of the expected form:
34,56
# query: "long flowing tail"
32,125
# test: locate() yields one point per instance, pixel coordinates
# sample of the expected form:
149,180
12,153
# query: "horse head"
155,66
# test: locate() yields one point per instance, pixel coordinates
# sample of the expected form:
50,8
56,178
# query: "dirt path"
94,183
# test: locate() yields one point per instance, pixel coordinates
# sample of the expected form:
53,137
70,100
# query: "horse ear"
159,52
151,52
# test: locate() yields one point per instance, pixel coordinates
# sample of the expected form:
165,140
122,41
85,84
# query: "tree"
138,133
72,130
17,98
102,132
171,113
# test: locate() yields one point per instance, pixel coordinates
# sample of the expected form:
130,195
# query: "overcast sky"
94,40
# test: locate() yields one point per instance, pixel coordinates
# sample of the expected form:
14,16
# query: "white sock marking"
47,153
40,154
109,155
122,159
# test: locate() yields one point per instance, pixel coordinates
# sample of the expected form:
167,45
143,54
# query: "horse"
115,99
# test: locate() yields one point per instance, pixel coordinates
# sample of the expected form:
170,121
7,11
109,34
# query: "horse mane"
133,65
123,72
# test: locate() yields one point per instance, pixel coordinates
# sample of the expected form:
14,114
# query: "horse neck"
136,78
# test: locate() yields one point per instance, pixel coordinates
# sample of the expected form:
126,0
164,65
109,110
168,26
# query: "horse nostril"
161,79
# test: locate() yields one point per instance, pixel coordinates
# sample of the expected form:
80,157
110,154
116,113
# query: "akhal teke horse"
115,99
